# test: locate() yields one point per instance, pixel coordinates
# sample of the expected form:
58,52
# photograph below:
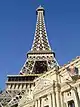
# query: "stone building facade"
56,88
42,82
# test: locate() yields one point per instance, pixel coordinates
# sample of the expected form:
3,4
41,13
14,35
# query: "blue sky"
17,26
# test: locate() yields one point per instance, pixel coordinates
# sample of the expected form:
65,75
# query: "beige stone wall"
54,89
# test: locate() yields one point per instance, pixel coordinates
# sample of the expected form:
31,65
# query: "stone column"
58,100
53,100
36,103
39,105
78,89
8,86
16,86
24,86
62,99
54,96
20,87
28,89
50,100
77,101
42,102
13,86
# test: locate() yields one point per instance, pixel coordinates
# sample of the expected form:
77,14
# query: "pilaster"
54,97
58,100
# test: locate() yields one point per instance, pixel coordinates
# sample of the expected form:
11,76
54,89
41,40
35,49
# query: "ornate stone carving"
42,84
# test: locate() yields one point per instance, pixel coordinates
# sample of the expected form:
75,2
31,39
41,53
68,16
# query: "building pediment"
42,84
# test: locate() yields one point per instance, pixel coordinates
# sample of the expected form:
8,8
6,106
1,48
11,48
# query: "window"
46,106
71,103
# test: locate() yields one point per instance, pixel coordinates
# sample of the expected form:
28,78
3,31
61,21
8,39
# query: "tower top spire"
40,8
40,43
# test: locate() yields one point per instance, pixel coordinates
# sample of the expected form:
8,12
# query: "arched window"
71,103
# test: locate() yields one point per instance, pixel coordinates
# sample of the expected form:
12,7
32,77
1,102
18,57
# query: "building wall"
55,88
